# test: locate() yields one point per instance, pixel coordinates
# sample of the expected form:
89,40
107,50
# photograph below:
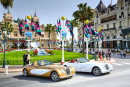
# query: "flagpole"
87,48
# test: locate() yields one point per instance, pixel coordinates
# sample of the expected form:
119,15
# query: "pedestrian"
97,55
25,58
28,58
103,55
106,55
121,53
124,54
109,54
93,49
100,56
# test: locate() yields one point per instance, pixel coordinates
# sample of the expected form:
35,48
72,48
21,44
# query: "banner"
28,35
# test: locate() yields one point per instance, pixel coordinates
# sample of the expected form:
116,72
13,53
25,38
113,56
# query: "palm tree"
49,28
74,23
7,3
7,26
84,13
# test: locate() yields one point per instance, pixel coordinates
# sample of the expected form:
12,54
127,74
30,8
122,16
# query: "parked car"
69,50
83,65
81,51
113,50
46,68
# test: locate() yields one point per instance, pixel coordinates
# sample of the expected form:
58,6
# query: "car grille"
67,71
107,67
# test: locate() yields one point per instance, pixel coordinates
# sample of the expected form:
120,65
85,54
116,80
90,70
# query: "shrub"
50,52
35,52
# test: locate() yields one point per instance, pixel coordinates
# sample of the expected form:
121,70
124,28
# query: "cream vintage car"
46,68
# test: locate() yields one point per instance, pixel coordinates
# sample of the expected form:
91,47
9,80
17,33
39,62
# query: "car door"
75,65
85,67
34,70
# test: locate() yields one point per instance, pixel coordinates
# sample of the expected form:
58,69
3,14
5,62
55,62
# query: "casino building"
115,20
14,36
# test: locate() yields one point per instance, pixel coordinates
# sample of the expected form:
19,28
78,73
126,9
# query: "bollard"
6,70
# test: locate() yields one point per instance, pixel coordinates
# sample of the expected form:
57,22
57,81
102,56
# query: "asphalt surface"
120,77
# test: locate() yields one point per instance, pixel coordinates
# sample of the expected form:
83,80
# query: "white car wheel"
25,72
55,76
96,71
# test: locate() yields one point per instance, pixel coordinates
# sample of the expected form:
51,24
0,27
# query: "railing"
108,20
109,29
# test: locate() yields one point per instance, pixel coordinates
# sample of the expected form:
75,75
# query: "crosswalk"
121,63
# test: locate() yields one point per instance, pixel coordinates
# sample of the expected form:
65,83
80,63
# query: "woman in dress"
28,59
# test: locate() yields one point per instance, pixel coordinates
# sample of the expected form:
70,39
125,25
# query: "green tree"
49,28
7,26
84,13
74,23
7,3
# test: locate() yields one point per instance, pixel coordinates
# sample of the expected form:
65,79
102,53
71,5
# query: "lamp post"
63,18
8,35
95,40
90,46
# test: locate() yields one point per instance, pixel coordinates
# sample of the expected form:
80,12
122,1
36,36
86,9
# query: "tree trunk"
72,39
49,40
83,37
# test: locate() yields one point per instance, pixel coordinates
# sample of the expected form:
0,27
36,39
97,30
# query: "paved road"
120,77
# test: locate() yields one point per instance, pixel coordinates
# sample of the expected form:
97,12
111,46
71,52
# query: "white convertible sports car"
83,65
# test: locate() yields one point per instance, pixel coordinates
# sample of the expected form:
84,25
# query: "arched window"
108,37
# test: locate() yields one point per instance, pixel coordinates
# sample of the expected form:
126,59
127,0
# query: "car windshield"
82,60
44,62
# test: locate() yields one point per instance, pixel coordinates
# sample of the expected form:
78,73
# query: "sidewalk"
18,68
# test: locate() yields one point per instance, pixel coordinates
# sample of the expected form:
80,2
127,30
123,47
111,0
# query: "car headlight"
63,71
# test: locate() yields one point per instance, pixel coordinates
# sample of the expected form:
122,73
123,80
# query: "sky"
48,11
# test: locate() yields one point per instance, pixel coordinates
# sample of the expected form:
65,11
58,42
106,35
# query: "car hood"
95,63
53,66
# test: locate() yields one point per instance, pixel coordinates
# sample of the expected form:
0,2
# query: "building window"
42,35
120,23
23,34
35,34
114,25
42,44
108,11
48,35
108,26
15,33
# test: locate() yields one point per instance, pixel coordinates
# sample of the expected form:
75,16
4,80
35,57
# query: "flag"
36,25
32,24
26,25
21,28
38,30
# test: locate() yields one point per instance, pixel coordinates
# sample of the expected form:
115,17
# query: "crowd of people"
102,55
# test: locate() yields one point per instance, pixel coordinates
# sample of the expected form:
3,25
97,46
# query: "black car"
81,51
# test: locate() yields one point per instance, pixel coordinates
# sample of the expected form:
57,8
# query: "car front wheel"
96,71
55,76
25,72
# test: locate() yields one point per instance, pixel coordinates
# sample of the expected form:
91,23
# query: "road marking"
125,63
117,64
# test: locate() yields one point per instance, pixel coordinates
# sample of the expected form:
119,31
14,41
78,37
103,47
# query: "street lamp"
95,40
90,46
8,35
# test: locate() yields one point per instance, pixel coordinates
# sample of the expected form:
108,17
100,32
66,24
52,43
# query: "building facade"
43,39
115,19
